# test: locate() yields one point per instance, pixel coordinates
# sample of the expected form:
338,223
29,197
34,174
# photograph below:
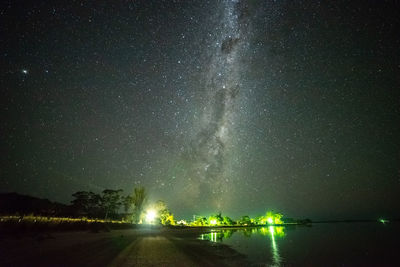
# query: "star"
239,102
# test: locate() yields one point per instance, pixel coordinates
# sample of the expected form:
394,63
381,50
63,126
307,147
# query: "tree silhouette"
127,202
111,202
138,199
87,203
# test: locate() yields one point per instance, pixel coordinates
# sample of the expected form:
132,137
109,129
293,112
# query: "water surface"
334,244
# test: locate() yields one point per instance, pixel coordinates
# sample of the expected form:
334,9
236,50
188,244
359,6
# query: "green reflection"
273,232
220,234
276,258
215,236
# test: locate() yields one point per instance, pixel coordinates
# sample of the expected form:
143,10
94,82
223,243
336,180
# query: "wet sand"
135,247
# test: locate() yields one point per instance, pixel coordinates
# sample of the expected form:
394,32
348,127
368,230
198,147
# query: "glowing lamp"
150,216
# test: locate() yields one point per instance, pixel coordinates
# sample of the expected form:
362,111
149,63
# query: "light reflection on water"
272,232
334,244
275,252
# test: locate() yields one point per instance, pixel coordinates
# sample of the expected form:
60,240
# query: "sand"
134,247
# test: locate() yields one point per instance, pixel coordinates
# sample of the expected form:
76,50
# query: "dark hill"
14,203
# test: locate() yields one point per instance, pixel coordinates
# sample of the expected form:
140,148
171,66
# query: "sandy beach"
134,247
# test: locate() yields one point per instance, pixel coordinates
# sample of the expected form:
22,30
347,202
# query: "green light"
272,233
274,248
213,222
279,231
383,221
270,220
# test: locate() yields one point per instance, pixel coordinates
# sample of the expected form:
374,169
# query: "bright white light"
150,216
182,222
213,237
25,71
213,222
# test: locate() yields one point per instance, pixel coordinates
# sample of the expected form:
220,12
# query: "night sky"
232,106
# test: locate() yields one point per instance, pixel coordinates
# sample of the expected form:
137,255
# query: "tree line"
113,204
110,204
269,218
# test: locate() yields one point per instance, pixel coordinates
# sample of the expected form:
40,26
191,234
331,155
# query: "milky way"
211,148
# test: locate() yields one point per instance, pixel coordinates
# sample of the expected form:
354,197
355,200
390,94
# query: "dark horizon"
231,106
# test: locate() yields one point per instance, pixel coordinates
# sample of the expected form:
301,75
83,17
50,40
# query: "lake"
323,244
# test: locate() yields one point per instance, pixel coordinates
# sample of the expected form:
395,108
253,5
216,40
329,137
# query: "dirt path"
152,251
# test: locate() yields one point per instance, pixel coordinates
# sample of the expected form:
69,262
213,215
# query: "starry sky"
235,106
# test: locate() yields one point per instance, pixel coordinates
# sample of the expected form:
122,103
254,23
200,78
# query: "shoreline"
142,247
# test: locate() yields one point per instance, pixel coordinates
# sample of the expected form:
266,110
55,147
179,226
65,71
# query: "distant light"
383,221
182,222
270,220
213,222
213,237
150,216
25,71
